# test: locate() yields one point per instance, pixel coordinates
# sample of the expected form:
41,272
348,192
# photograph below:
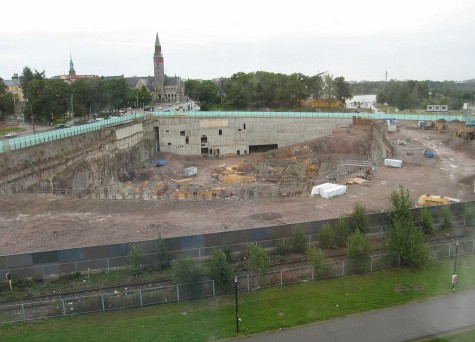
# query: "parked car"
11,135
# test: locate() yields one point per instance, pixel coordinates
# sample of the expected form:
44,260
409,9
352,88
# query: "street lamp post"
454,275
237,306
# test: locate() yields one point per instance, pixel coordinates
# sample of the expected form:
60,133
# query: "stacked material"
329,190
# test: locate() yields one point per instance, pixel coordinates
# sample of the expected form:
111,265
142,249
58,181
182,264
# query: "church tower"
158,72
72,72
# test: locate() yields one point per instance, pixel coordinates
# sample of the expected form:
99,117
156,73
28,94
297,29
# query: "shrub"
258,259
358,219
446,216
401,205
341,231
300,242
218,268
326,236
469,214
358,249
228,252
135,258
282,248
427,223
188,272
316,258
163,255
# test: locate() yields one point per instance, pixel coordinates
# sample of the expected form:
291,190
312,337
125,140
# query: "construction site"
233,192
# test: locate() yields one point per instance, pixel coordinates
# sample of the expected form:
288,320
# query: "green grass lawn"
264,310
463,336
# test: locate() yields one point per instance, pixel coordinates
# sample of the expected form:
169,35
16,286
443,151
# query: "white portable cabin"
393,162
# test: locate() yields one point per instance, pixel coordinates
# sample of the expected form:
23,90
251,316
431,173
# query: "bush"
188,272
218,268
258,259
358,249
300,242
282,248
316,258
326,236
469,213
446,216
341,231
135,258
427,223
228,252
163,256
358,219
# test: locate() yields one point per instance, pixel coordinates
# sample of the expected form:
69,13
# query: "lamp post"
454,275
237,306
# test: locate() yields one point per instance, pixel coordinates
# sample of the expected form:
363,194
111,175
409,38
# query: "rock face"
78,162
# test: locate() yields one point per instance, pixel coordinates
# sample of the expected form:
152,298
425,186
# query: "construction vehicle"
466,133
440,126
428,200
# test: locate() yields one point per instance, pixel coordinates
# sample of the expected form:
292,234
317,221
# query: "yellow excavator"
466,133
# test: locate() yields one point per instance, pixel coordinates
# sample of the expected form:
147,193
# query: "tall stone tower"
72,72
158,72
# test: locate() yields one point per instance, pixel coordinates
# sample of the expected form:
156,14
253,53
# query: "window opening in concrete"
262,148
217,150
238,151
210,151
182,133
244,126
239,130
187,140
169,144
204,139
204,150
220,132
167,131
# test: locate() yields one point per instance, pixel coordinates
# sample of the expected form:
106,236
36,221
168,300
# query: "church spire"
157,41
72,72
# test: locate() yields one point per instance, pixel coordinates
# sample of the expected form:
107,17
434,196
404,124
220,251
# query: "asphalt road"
402,323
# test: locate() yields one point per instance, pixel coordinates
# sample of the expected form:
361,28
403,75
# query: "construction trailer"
189,171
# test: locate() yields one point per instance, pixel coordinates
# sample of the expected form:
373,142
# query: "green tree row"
265,89
50,98
6,101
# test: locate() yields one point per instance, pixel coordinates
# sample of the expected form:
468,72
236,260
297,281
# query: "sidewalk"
401,323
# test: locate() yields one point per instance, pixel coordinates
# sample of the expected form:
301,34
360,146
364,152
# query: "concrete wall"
185,135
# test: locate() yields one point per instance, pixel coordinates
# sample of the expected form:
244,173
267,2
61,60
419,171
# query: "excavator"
466,133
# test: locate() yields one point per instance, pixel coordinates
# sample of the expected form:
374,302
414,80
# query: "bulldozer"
440,126
466,133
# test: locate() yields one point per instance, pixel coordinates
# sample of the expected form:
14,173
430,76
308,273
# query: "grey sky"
360,40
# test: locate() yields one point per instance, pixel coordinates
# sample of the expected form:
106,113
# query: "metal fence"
175,293
52,270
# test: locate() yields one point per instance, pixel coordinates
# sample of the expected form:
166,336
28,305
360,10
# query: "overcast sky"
205,39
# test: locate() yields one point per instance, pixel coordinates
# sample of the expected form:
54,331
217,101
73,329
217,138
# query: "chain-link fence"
174,293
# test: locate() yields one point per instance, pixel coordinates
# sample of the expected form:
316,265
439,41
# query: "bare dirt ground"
45,222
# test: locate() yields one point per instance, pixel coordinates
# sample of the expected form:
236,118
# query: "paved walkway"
401,323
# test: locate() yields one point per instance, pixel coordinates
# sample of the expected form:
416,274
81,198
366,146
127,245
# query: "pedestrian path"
401,323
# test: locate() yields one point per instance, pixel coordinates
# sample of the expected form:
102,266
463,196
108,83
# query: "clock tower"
158,72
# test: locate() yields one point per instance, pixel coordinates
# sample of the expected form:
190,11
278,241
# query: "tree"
7,103
135,258
328,89
358,250
358,219
342,231
316,258
446,215
188,273
258,259
342,89
300,242
427,222
219,269
326,236
314,85
163,255
403,237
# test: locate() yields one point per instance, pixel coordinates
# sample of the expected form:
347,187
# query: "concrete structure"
220,136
